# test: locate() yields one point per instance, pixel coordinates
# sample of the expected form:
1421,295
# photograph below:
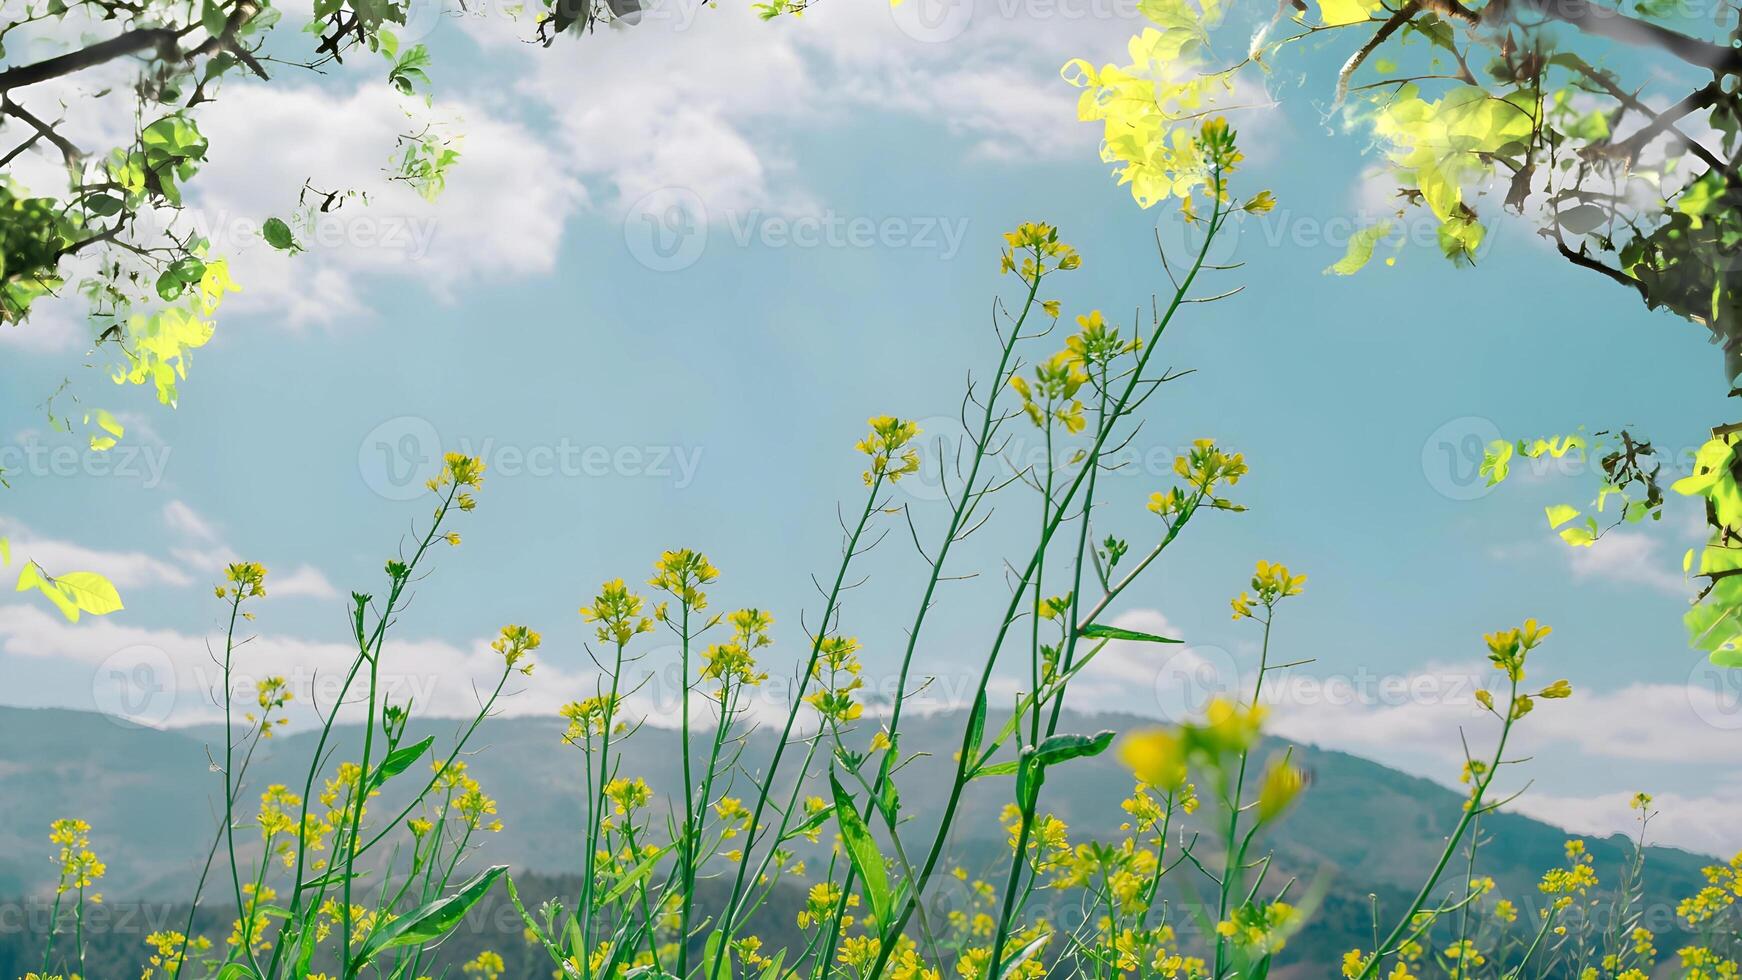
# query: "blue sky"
626,407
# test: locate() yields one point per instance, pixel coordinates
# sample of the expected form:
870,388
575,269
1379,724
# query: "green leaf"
93,593
862,852
976,727
711,949
1727,658
31,577
772,970
1360,250
331,877
169,287
278,235
889,801
107,422
1581,537
811,822
1559,514
1063,748
637,873
188,269
305,952
1336,13
212,19
428,922
1023,955
1098,631
1497,461
1029,778
1582,218
398,761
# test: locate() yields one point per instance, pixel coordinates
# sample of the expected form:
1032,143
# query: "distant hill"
148,795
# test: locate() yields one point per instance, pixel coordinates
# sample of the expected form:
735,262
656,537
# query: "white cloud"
692,98
1630,558
501,215
304,581
1166,680
57,557
1704,823
698,99
163,676
1417,721
53,328
185,520
202,549
1423,712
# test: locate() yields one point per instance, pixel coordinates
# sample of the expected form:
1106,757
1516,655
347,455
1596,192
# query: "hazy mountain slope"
1363,829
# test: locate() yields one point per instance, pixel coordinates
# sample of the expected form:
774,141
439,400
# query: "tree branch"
1613,24
1703,98
1389,28
75,61
68,151
1621,95
1584,261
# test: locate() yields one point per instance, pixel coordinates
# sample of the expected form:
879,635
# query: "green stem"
733,904
959,783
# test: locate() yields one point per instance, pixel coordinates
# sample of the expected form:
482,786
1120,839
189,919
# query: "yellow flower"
1274,582
487,965
514,644
629,794
247,580
79,866
682,573
461,471
1156,757
1281,785
618,613
1040,253
890,447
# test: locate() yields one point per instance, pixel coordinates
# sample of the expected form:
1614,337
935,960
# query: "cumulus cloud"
305,581
53,328
1426,709
185,520
1630,558
695,99
124,568
501,215
201,549
701,99
159,676
1704,823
